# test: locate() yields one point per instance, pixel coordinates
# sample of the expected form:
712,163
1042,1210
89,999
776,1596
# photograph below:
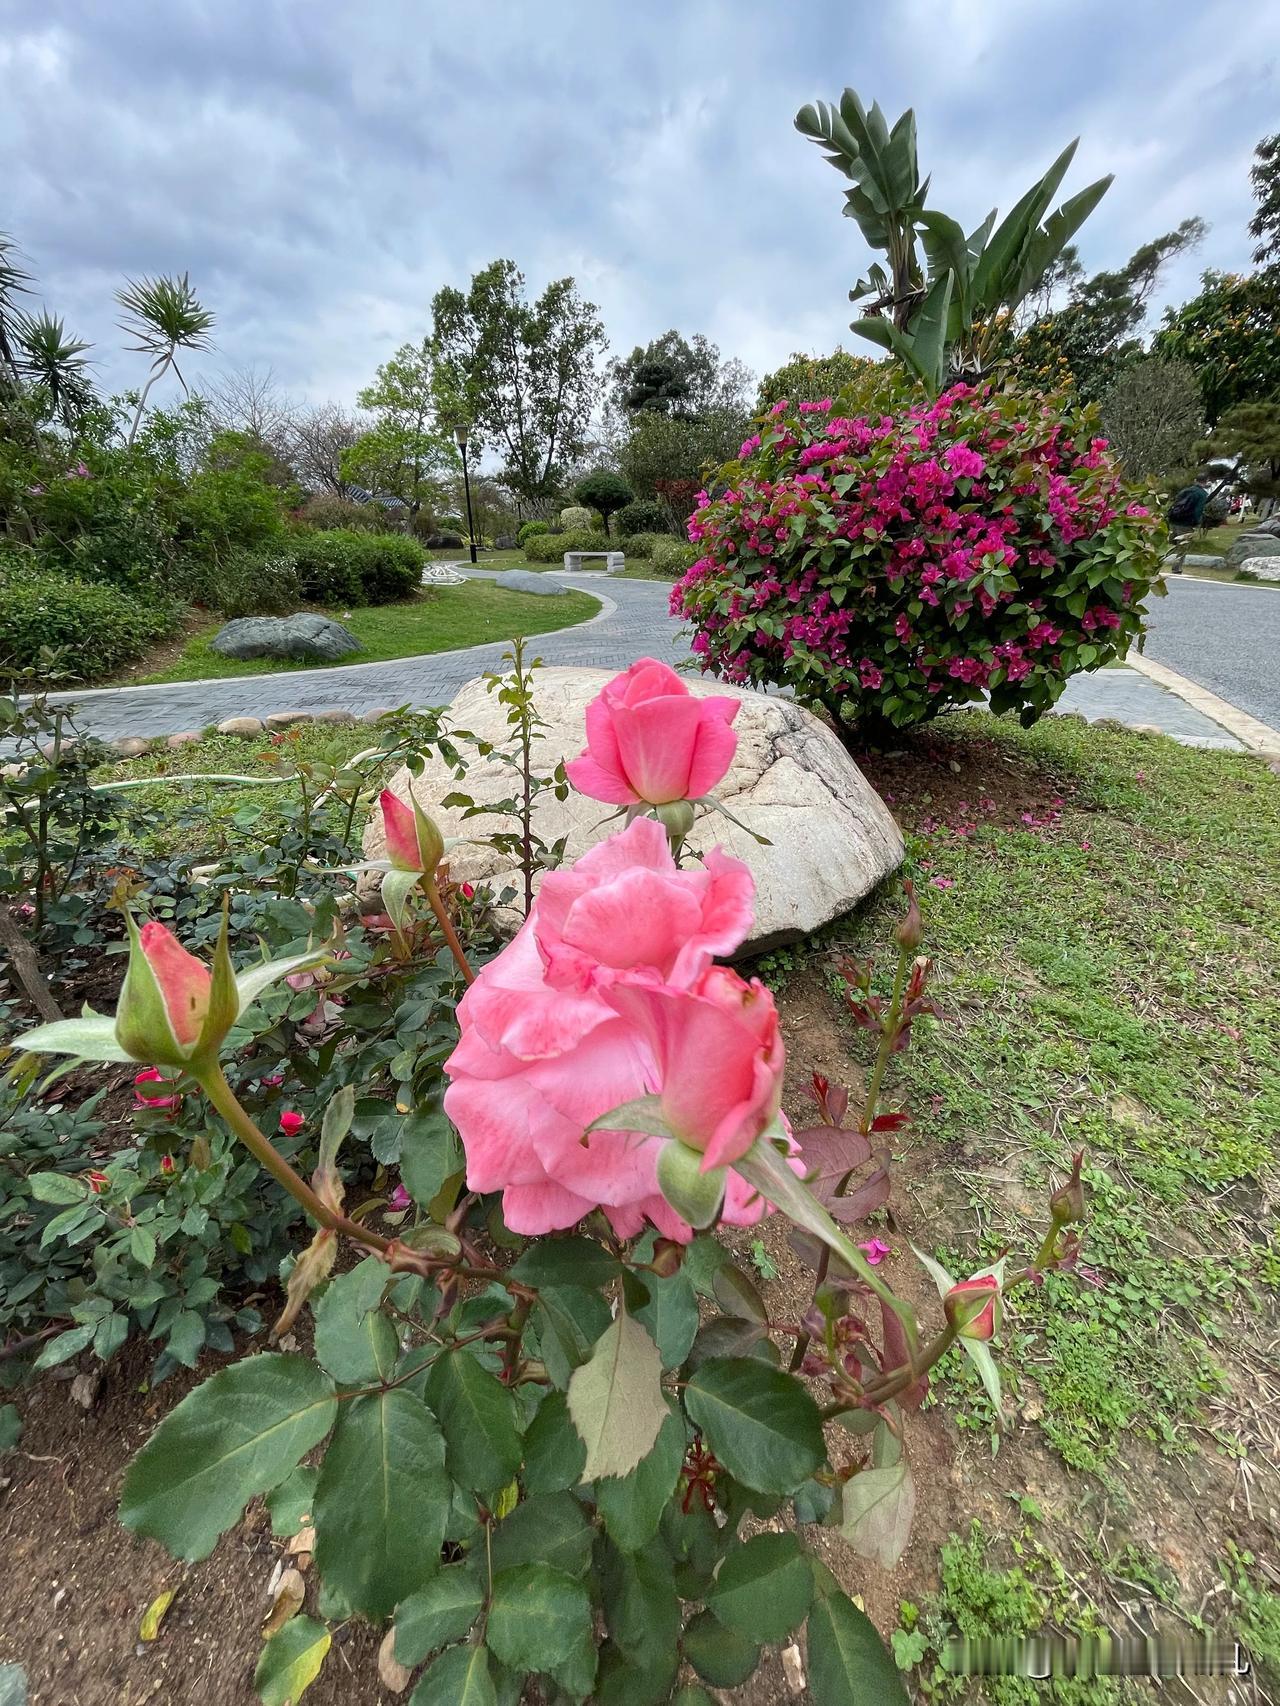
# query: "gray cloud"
321,169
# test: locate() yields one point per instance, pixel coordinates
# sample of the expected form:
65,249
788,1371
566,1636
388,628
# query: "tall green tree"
675,375
1153,417
1248,437
522,374
1265,224
810,378
164,315
1230,335
404,454
1095,334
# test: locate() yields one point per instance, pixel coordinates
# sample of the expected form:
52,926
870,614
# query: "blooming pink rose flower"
650,740
719,1054
543,1054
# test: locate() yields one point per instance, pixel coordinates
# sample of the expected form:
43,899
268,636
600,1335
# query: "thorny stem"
213,1082
888,1036
446,927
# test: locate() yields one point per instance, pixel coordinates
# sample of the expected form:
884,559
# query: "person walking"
1185,515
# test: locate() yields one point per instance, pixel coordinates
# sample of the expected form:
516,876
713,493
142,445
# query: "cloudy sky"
321,169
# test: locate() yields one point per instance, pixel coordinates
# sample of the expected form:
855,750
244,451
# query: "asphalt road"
1224,635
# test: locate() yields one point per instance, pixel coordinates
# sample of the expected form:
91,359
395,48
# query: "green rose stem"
213,1082
888,1036
896,1380
446,927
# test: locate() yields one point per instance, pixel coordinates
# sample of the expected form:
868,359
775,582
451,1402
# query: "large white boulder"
1261,568
832,838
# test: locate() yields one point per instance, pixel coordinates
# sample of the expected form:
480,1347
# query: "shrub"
531,530
247,583
642,515
357,568
550,547
443,541
671,556
641,544
577,520
98,627
895,563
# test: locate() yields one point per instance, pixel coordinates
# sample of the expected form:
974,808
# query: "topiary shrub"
575,519
919,555
357,568
550,547
669,556
97,627
605,491
643,515
531,530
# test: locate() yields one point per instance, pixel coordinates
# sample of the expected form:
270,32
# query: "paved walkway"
1202,626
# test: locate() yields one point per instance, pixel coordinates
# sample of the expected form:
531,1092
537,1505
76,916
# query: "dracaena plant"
554,1467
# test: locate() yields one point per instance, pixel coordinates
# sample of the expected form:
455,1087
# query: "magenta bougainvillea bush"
888,556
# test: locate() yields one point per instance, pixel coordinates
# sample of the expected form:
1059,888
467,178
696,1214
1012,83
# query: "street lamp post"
460,433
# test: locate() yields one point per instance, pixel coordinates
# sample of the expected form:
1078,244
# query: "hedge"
357,568
95,626
550,547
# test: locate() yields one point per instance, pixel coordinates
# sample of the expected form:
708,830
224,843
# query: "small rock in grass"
188,737
241,726
376,715
131,746
525,580
334,717
286,719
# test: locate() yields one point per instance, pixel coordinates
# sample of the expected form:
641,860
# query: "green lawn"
438,621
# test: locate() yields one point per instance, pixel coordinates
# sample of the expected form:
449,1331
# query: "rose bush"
887,557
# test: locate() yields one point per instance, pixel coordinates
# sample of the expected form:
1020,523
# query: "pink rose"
650,740
164,1000
973,1306
291,1123
413,841
543,1054
719,1056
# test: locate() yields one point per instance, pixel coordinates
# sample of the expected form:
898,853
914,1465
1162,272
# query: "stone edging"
1253,734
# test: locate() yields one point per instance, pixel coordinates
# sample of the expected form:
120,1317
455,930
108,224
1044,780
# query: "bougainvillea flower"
650,740
413,841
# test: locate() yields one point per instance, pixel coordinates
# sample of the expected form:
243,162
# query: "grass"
437,621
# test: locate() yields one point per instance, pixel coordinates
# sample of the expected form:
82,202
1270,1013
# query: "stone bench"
614,561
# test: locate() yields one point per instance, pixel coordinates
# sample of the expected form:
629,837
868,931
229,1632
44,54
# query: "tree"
668,459
1153,417
1248,437
1264,174
317,439
522,375
164,315
14,282
603,490
250,400
810,378
1094,335
1230,335
403,455
56,364
672,375
954,318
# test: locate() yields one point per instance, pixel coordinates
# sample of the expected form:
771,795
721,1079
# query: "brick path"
634,623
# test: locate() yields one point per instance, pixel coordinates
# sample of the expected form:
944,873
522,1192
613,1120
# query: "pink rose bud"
910,932
973,1307
166,1163
468,891
413,841
165,998
291,1123
650,740
96,1181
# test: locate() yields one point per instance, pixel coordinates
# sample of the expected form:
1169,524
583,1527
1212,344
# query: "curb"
1256,736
